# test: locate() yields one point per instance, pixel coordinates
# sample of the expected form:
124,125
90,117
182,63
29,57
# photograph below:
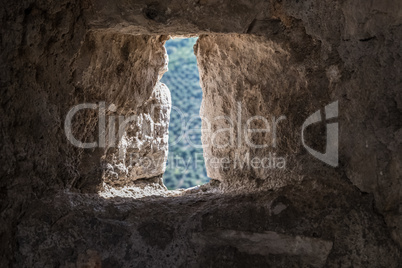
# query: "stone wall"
276,58
296,71
120,73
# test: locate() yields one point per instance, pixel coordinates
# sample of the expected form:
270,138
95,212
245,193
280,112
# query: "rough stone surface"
336,228
312,251
144,145
249,76
334,53
136,107
278,58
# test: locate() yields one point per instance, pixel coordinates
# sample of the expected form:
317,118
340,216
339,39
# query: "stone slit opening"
185,167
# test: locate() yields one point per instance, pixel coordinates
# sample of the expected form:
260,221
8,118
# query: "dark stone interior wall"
333,50
39,40
293,73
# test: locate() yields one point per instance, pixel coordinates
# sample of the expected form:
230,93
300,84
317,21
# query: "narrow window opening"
185,167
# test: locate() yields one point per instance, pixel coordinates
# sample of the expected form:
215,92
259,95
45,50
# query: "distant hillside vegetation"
185,167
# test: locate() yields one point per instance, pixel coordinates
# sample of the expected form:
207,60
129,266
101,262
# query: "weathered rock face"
54,62
143,148
257,85
276,228
285,77
275,58
122,71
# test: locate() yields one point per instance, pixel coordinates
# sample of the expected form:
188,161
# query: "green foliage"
186,166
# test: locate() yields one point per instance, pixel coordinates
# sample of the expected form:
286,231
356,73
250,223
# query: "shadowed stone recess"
63,206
